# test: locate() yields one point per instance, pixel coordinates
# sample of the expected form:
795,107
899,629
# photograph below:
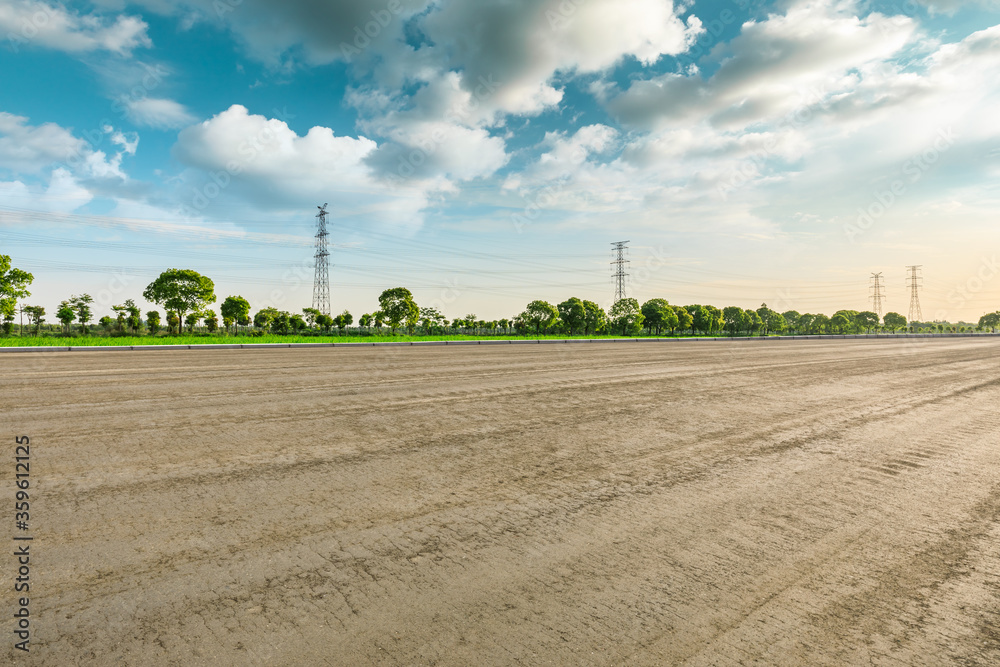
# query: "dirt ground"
695,503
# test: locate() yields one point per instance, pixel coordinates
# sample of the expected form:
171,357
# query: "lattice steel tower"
321,283
913,282
618,251
878,294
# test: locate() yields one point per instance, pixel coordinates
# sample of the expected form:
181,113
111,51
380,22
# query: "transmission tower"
878,293
913,282
321,283
618,251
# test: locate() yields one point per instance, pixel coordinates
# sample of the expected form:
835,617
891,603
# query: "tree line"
186,295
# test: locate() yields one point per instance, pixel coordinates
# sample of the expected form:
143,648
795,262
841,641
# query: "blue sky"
486,154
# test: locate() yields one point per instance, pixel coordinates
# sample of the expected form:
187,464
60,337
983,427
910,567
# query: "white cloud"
32,22
262,160
159,113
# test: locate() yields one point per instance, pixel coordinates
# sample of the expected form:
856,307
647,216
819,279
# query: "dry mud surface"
727,503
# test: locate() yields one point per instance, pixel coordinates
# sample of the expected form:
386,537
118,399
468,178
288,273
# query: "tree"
153,321
573,314
181,290
718,322
66,315
134,315
235,309
264,317
894,321
852,317
282,322
106,322
792,319
431,317
13,286
122,312
990,321
324,321
36,315
343,321
297,323
804,325
398,307
734,318
541,315
311,315
752,322
839,322
211,321
365,320
656,314
191,320
82,306
821,323
701,319
173,321
685,320
595,320
627,314
866,320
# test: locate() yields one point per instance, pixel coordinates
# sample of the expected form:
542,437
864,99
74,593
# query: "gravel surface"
729,503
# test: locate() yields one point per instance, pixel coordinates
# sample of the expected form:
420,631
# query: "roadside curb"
424,343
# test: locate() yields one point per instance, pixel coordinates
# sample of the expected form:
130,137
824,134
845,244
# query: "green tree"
262,320
297,323
685,320
656,314
733,316
541,315
282,322
81,304
573,314
627,315
821,323
866,320
343,321
311,314
173,321
36,315
805,323
106,322
236,309
701,319
990,321
752,321
211,321
792,319
13,286
839,322
153,322
181,290
324,321
365,320
121,314
894,321
398,307
191,320
66,315
595,320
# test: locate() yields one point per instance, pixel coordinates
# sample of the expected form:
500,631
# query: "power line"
321,281
914,282
618,250
877,294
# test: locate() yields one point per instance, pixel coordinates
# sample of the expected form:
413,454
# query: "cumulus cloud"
28,22
158,113
773,66
262,160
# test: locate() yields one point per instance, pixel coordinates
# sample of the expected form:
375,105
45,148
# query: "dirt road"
720,503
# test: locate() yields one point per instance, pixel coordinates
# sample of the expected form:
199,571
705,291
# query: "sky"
485,154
